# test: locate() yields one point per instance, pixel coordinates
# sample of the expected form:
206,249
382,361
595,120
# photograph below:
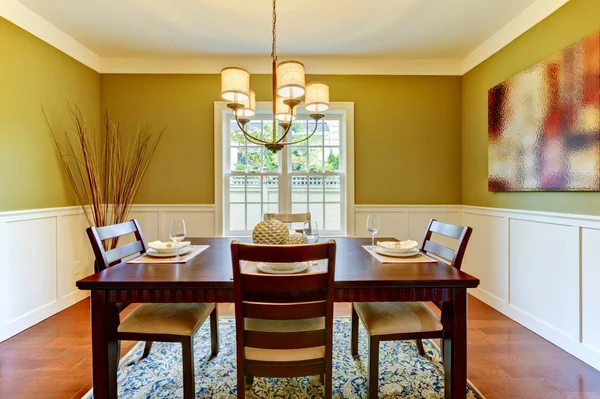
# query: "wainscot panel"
538,268
541,270
43,252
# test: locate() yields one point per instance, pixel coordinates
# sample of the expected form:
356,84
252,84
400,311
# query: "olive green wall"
573,21
32,74
405,126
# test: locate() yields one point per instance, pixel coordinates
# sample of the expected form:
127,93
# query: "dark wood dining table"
359,277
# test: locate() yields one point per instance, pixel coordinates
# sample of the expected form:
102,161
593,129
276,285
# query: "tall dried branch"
104,174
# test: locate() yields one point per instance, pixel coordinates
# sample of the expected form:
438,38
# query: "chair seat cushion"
166,318
285,355
382,318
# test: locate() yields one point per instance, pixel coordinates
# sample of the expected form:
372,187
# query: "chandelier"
288,88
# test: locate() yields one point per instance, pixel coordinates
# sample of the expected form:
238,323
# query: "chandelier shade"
235,85
290,79
288,85
249,108
317,97
283,112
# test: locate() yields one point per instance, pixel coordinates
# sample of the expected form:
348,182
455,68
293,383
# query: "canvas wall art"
544,124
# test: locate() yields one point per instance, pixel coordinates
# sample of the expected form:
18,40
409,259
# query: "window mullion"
285,181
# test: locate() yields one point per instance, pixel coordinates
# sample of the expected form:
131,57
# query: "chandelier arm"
285,132
304,139
248,136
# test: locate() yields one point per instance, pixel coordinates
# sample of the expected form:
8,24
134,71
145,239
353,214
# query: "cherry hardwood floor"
52,360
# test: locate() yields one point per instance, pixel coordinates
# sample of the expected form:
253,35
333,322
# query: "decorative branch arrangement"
104,173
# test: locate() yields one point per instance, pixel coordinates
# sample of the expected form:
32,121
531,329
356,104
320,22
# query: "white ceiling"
442,29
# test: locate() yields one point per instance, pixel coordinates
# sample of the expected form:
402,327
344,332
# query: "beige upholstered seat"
397,317
166,318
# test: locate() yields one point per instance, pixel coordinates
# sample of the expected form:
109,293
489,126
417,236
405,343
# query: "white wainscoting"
540,269
403,221
43,252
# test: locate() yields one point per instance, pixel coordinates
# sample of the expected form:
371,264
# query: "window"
306,177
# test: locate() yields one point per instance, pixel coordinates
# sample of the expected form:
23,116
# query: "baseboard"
25,321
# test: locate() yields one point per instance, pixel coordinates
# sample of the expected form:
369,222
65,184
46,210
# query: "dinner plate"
168,250
182,251
266,268
408,254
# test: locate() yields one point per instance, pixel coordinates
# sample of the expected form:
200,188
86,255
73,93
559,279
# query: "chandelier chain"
274,48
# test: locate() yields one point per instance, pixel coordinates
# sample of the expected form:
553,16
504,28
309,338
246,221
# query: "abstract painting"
544,124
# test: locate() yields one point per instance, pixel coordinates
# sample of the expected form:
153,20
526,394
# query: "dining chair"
163,322
292,217
284,323
393,321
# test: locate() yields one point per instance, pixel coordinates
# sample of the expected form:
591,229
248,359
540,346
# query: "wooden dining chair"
292,217
394,321
284,323
163,322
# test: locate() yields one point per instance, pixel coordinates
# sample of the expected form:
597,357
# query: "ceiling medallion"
288,88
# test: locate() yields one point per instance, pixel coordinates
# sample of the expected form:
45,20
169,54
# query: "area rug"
402,372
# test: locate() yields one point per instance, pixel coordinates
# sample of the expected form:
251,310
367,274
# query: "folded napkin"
408,244
167,245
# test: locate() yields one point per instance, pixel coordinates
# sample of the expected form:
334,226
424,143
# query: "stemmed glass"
177,234
373,227
310,233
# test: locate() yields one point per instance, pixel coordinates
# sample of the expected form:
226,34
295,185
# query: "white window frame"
345,109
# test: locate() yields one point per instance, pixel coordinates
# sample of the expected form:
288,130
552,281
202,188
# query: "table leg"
455,345
105,347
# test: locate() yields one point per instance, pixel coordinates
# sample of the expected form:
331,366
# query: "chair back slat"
445,229
284,340
116,230
292,311
292,217
284,297
291,302
282,253
106,258
290,289
124,251
453,256
439,250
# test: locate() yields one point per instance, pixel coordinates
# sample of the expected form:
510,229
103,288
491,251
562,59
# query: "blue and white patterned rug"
402,372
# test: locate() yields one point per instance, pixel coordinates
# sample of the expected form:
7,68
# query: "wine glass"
373,227
177,234
310,232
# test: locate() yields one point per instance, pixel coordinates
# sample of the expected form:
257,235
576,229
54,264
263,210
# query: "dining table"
207,277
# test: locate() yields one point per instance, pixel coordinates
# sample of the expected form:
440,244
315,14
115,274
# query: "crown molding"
262,65
26,19
23,17
528,18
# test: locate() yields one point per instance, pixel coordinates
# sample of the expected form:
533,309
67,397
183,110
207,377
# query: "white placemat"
420,258
185,258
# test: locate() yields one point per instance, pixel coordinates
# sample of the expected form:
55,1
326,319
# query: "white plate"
408,254
182,251
266,268
408,246
169,250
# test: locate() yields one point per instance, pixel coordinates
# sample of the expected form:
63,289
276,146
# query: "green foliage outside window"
271,160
